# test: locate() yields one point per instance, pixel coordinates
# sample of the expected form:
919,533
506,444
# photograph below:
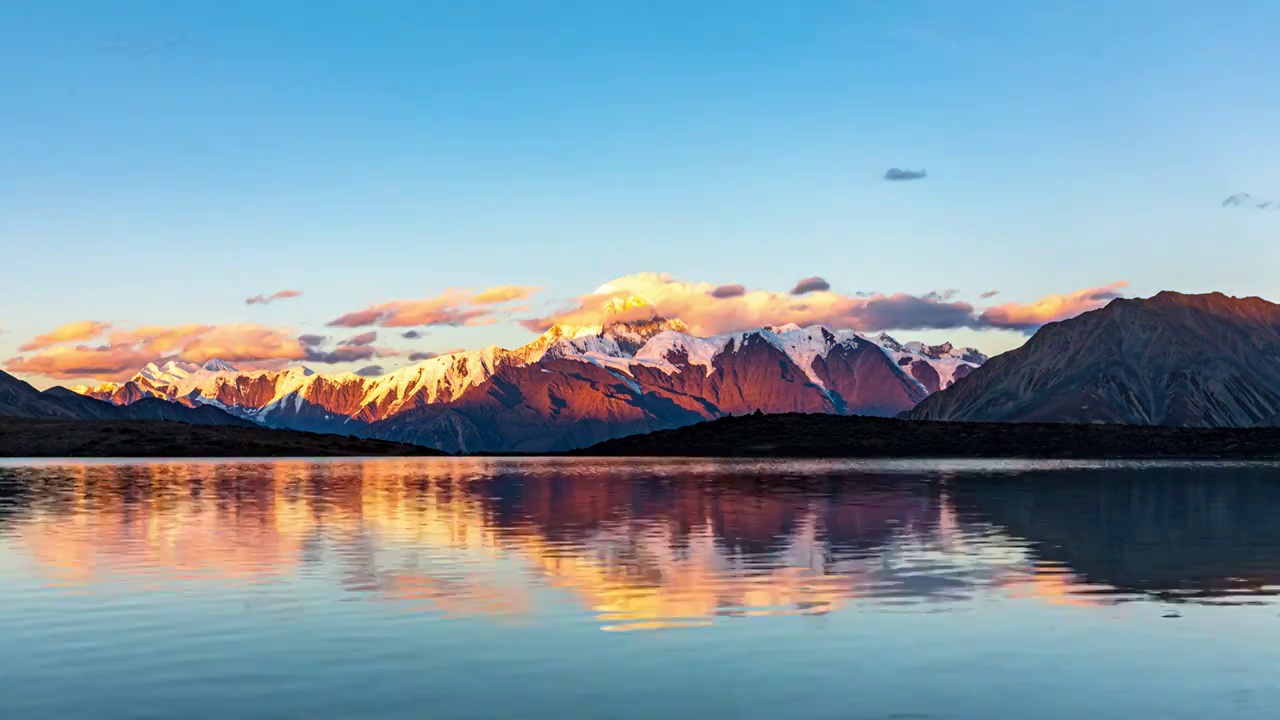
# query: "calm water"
609,589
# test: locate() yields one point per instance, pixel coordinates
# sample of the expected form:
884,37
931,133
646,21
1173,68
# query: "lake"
474,588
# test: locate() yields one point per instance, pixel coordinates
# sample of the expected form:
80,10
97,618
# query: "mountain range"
1172,359
20,400
573,385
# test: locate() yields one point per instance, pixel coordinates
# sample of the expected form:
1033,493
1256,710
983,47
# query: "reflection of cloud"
666,544
637,556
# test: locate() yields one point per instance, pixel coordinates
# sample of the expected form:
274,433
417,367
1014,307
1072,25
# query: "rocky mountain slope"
1172,359
20,400
573,386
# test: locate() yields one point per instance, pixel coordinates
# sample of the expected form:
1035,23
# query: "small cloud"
413,334
810,284
365,338
941,296
370,371
900,175
311,340
1245,200
141,46
989,294
503,293
420,356
728,291
345,353
266,299
450,309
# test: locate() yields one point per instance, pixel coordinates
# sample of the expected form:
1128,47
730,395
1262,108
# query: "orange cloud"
243,343
1050,308
82,361
161,339
502,294
454,308
80,330
127,350
708,309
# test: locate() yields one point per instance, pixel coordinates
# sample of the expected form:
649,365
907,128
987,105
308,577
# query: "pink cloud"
365,338
455,308
278,295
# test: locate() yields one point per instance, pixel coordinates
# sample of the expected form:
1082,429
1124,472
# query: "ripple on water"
494,588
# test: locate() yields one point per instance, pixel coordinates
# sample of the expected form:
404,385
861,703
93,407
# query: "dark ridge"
834,436
29,437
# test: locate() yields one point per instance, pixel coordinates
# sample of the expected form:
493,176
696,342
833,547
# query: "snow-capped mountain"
936,367
573,385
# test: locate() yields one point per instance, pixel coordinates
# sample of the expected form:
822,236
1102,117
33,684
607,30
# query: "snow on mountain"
537,349
440,379
170,372
936,367
217,366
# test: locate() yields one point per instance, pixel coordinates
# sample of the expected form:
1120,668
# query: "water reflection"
651,545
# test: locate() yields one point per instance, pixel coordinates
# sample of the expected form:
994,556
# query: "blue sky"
163,161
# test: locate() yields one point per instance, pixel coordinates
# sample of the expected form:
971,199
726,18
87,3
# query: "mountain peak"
216,365
1171,359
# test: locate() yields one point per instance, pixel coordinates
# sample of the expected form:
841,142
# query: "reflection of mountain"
1190,531
661,544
